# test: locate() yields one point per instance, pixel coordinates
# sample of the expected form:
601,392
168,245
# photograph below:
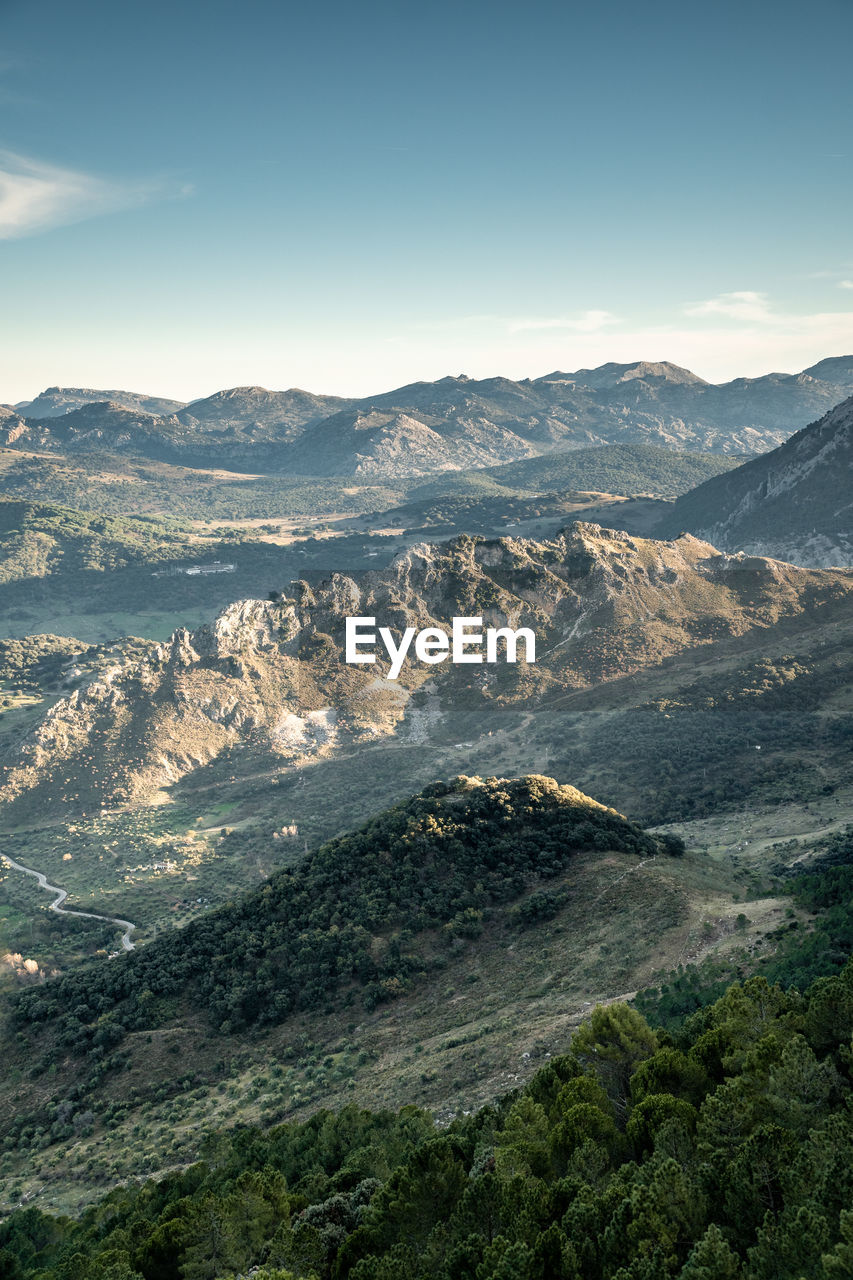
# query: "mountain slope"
794,503
615,468
458,422
107,427
630,1152
284,414
394,443
433,868
467,883
612,375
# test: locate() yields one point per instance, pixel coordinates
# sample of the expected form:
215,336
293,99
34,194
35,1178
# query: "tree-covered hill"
614,468
362,918
40,539
94,571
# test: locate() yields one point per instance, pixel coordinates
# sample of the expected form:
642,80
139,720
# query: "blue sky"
195,196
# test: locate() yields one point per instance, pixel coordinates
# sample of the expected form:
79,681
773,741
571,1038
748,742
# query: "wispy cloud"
585,322
845,284
35,196
741,305
733,334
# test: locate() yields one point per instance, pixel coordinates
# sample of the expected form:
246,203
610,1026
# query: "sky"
349,197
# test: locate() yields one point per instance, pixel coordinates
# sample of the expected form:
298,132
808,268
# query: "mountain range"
426,427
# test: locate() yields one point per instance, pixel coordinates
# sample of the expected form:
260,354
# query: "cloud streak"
741,333
36,197
744,305
586,322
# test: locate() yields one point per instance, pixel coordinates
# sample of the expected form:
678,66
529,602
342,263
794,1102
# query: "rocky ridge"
269,677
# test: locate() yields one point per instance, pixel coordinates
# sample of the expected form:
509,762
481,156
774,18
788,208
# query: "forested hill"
368,913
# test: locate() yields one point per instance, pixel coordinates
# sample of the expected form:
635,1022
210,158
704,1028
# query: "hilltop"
472,882
258,412
367,915
56,401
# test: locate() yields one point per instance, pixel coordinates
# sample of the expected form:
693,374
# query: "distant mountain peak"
612,374
836,369
234,393
454,423
55,402
662,369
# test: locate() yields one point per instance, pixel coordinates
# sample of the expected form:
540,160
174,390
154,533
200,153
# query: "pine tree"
711,1259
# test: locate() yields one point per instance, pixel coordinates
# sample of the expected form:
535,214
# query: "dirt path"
62,894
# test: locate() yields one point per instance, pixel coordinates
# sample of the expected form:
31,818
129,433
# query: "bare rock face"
271,674
12,429
180,651
248,626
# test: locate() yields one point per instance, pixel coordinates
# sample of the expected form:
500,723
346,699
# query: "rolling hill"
616,468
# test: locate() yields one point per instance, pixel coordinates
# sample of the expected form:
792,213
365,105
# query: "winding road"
62,894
